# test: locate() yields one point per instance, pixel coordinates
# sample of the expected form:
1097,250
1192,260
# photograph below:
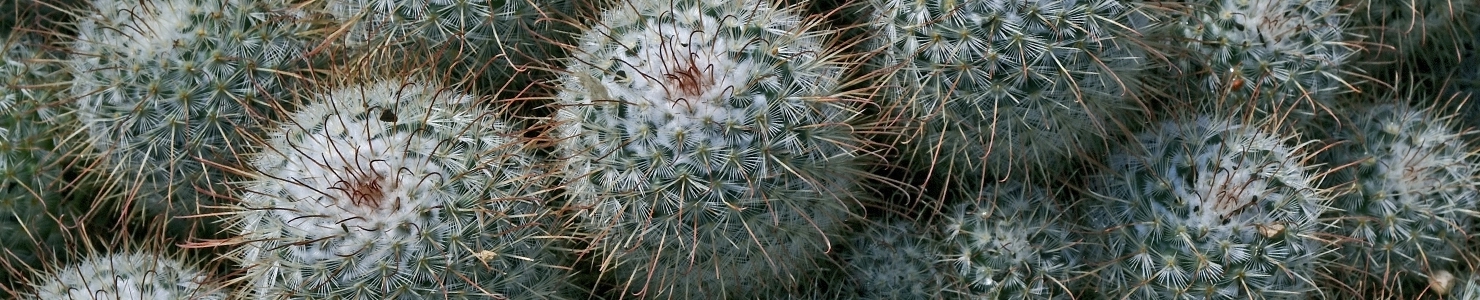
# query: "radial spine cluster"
396,190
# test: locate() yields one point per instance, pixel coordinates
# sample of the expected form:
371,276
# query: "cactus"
396,189
1207,209
893,260
1009,244
1005,87
1411,194
489,40
33,192
1283,57
1421,37
710,146
122,276
165,88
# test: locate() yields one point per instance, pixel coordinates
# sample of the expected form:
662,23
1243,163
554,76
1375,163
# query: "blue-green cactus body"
707,145
163,87
1207,209
1412,194
396,190
1005,87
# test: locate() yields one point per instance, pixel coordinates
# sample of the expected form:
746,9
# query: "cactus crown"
1413,190
120,276
1005,87
395,190
709,126
1207,208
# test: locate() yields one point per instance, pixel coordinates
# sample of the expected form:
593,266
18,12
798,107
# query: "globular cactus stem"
396,189
165,89
709,143
1207,208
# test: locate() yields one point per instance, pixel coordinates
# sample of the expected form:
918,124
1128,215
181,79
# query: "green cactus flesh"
707,146
1005,87
396,190
1207,209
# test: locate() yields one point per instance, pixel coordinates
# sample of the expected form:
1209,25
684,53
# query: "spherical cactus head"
1207,208
1005,88
710,146
1410,190
1012,243
893,260
166,89
395,189
1288,56
126,275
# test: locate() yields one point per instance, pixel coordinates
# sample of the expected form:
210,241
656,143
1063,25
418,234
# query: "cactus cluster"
1005,87
1207,208
131,275
395,189
1410,197
1276,57
708,146
165,88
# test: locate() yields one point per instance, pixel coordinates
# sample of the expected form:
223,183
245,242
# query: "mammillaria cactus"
395,190
1286,54
709,143
893,260
1005,87
1415,33
1011,244
125,276
1412,194
485,39
164,88
1207,209
30,132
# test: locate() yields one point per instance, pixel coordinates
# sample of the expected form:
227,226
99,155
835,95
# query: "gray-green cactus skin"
1207,208
498,43
1282,57
165,89
126,276
1410,194
34,194
1005,88
1012,243
896,259
396,189
709,146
